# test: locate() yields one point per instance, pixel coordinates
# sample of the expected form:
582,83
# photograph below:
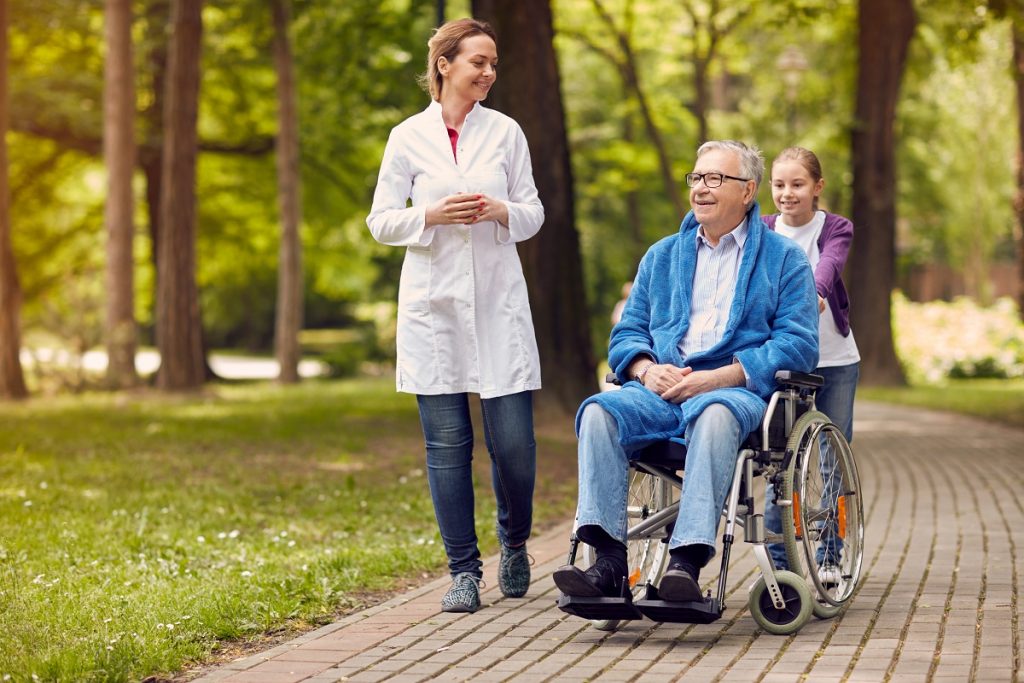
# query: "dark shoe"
679,585
464,595
514,571
600,581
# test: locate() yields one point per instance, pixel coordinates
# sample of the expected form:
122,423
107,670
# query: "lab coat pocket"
515,282
414,286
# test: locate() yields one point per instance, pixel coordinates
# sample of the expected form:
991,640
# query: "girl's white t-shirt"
833,348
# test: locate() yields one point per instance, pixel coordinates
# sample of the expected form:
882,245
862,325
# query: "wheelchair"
814,476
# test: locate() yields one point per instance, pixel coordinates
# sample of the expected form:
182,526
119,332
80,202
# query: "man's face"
720,209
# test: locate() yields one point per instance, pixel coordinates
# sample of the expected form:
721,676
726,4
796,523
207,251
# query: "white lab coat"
464,321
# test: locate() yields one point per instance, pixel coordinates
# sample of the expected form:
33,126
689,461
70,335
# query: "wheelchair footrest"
695,612
599,608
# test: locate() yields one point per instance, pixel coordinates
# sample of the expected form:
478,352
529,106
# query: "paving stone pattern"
939,599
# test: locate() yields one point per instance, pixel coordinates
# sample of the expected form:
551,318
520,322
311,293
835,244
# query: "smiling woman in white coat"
456,190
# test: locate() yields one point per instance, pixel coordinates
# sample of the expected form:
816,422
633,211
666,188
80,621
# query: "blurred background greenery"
776,74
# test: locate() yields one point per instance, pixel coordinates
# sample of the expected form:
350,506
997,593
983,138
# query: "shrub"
957,339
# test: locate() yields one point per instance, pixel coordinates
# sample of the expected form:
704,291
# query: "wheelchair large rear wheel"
824,529
647,554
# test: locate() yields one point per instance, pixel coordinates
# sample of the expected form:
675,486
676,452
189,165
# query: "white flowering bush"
939,339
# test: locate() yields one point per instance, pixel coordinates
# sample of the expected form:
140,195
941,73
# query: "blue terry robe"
773,325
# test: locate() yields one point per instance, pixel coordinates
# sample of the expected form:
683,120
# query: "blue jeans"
835,399
508,433
713,441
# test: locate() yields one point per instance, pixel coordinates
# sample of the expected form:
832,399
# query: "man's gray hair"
751,159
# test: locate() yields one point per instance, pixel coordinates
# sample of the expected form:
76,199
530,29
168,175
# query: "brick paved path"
939,601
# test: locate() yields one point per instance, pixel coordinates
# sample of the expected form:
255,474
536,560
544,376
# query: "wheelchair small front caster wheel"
789,619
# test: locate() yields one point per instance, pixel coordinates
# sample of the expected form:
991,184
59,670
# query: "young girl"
797,183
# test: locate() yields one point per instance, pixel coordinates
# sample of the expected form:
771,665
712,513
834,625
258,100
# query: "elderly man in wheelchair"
719,313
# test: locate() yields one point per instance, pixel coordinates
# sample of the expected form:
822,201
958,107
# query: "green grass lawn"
1001,400
143,533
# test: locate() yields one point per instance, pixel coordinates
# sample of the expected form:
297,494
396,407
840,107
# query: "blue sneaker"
514,571
464,595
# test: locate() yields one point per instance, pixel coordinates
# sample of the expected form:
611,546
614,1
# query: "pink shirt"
453,135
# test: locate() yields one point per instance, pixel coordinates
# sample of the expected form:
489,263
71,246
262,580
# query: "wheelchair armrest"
799,379
791,377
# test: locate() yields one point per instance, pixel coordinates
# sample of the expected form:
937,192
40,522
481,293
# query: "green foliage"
357,64
957,208
344,351
349,58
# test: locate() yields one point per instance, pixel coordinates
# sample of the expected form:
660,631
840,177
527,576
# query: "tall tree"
885,28
529,91
119,154
12,380
289,272
1016,13
178,323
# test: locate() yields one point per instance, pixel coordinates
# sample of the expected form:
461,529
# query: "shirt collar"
434,110
739,235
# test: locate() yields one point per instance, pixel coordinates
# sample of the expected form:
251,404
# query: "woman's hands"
466,208
492,210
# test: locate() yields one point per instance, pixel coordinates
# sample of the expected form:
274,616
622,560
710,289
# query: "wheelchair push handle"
803,380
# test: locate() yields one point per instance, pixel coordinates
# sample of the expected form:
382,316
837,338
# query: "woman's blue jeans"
508,433
835,399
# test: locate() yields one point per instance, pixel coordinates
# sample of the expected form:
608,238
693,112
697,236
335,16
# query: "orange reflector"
842,516
634,577
796,514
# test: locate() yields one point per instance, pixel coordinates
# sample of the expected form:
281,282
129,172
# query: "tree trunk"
119,154
701,98
529,91
12,380
1018,201
157,20
179,330
289,272
885,29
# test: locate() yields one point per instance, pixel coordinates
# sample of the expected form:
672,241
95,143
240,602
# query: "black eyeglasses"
710,179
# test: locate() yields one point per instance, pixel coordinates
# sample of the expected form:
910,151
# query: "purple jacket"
834,246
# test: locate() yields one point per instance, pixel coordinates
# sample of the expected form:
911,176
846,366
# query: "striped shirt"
714,284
